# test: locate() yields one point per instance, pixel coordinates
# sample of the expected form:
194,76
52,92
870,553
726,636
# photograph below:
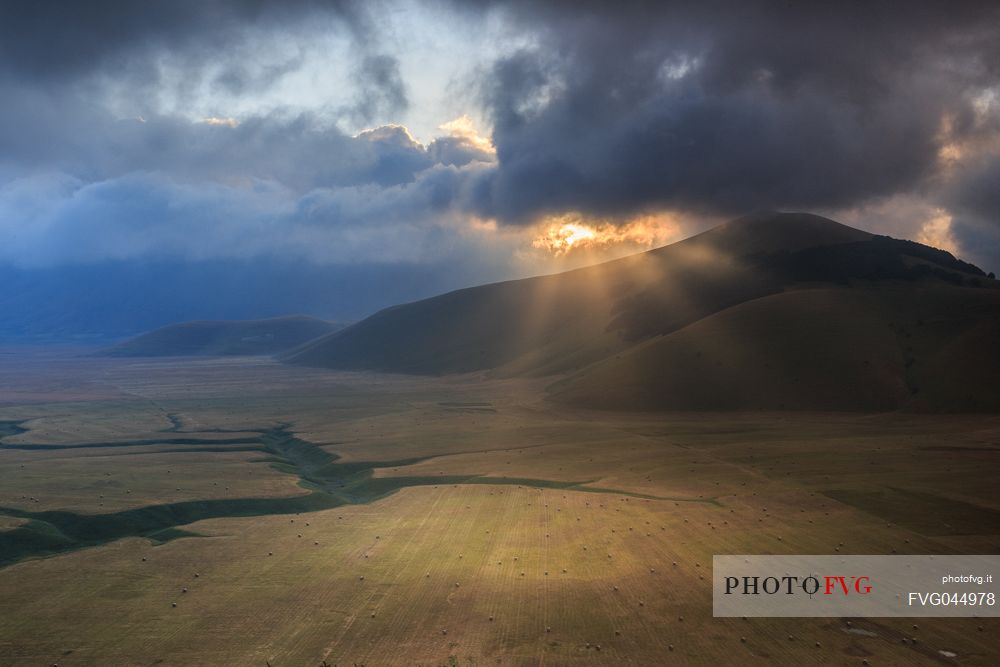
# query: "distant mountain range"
221,338
770,311
105,302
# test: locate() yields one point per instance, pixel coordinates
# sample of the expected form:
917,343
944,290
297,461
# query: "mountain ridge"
577,324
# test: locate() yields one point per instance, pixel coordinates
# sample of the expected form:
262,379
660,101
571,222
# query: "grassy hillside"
835,349
562,322
774,310
244,337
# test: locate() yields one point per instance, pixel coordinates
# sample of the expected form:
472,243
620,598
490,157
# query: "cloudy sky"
393,149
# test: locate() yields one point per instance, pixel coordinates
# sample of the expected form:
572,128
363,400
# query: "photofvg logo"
814,586
793,585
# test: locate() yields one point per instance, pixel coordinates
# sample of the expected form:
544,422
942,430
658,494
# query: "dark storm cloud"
730,106
60,40
720,154
976,190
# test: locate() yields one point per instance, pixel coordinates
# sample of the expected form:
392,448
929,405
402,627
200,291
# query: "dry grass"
399,558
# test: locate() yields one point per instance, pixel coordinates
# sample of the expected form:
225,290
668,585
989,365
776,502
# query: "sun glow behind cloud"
465,128
573,232
937,233
215,120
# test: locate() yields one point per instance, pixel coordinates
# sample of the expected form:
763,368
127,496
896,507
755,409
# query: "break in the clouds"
407,132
